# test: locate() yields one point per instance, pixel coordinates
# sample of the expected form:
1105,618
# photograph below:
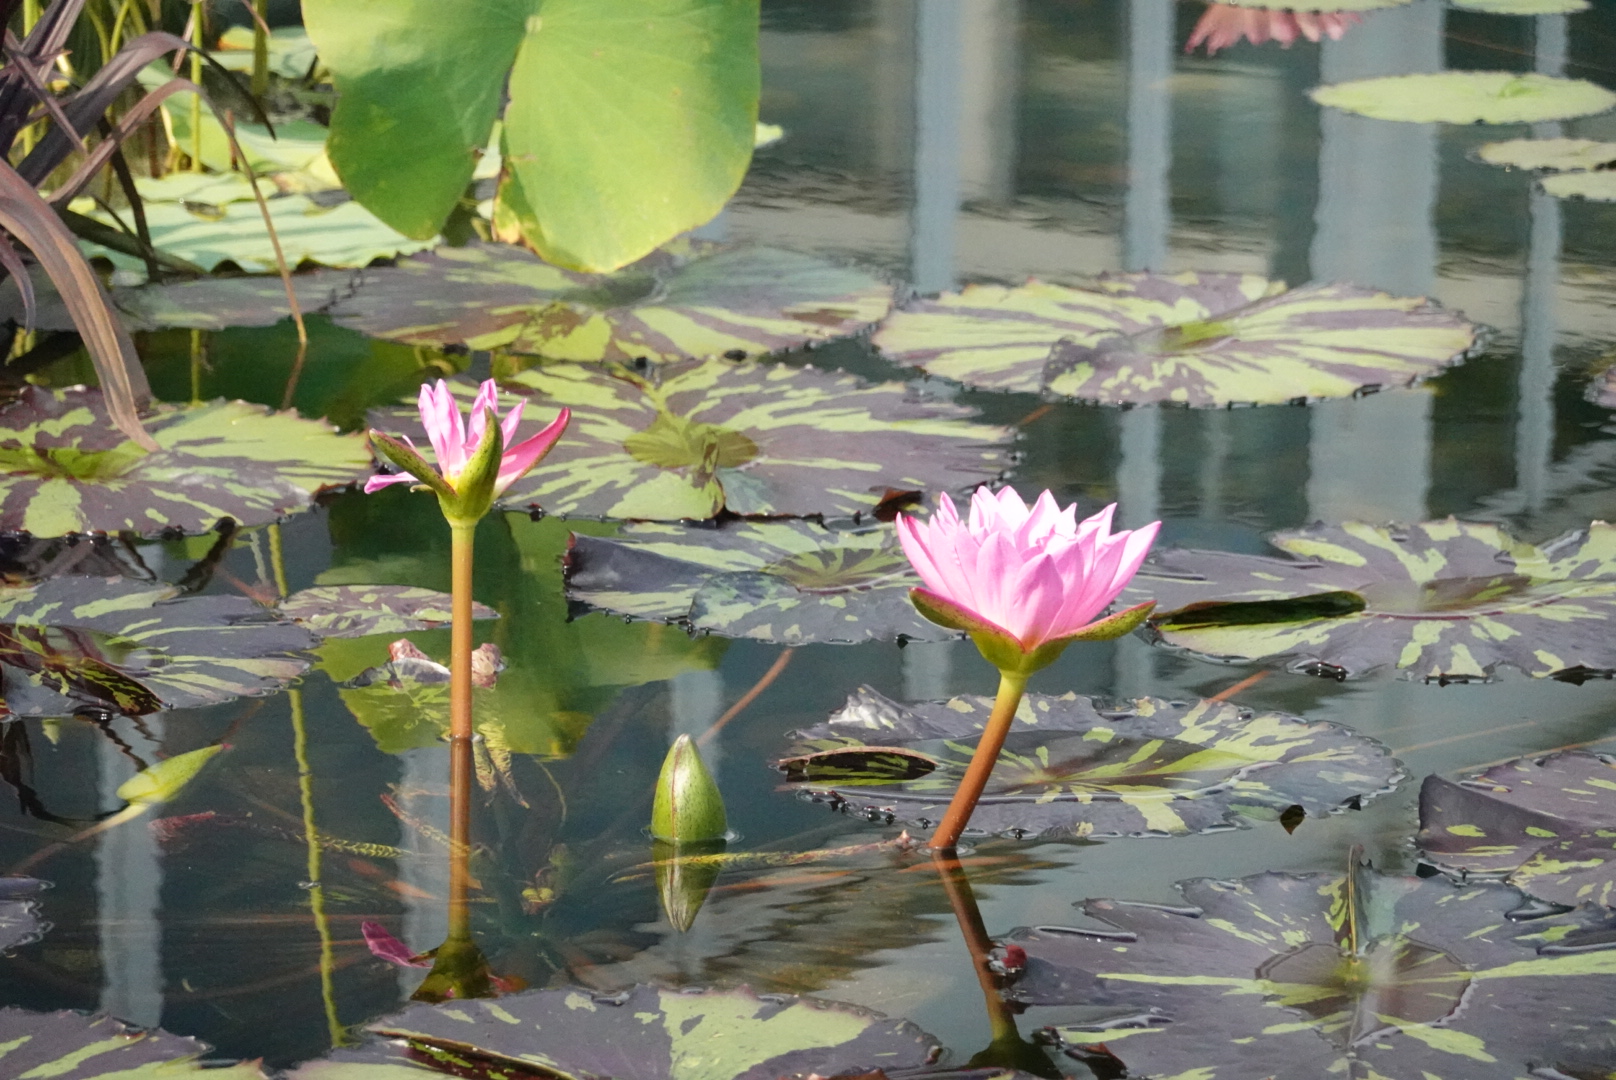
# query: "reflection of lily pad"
1196,339
1300,976
19,914
686,440
1444,601
1549,824
357,610
123,646
1071,767
65,469
786,581
1552,155
1467,97
704,301
1594,186
71,1046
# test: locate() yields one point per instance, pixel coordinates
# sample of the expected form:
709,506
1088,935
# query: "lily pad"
1523,7
1074,767
65,469
76,643
218,303
347,611
693,300
19,913
71,1046
1548,825
1467,97
1294,976
787,581
686,440
291,53
1550,155
1446,601
1192,338
1595,186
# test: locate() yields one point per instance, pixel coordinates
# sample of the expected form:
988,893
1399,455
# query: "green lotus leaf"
1445,601
1523,7
72,1046
1304,975
1467,97
1549,155
348,611
1191,338
218,303
690,300
1547,824
1594,186
1071,767
78,643
686,440
65,469
787,581
19,912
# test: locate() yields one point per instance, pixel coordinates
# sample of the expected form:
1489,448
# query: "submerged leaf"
787,581
1467,97
71,1046
358,610
1071,767
159,783
65,469
19,912
1446,601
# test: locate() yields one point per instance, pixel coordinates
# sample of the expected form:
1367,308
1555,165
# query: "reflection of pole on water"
1534,432
938,52
128,885
1370,458
695,701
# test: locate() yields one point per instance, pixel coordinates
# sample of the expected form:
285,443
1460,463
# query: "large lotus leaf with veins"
19,914
788,581
71,1046
77,643
1294,977
686,440
217,303
1552,155
1549,824
1467,97
1446,601
1072,767
347,611
693,300
65,469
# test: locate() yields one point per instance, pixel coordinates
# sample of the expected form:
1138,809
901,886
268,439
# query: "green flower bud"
688,807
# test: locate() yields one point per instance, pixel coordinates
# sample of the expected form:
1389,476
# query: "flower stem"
946,838
460,726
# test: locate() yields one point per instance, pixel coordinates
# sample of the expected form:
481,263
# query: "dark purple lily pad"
1295,977
217,303
349,611
1074,767
1446,601
73,1046
1547,825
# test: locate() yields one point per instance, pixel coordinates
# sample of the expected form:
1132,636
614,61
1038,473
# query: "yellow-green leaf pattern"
359,610
1467,97
69,1045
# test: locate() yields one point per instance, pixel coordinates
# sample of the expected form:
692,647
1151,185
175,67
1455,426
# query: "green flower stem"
1011,685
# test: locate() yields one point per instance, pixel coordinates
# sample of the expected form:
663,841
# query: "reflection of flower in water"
1223,25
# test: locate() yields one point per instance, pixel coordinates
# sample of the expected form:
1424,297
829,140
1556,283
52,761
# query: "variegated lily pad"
1071,767
1301,976
788,581
1445,601
65,469
686,440
1550,155
218,303
1192,338
1548,825
695,300
19,914
1467,97
71,1046
348,611
77,643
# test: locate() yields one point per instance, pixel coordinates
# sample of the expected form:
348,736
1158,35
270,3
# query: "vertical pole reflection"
1370,458
696,698
1534,428
129,883
939,48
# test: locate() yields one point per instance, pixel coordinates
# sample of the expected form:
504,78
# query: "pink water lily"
1223,25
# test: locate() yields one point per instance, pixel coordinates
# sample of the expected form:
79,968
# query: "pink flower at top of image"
454,444
1035,573
1222,25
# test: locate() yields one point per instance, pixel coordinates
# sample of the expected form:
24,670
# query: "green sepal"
473,492
688,807
1117,625
947,613
404,456
1004,650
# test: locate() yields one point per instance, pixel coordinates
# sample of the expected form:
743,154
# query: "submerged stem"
947,836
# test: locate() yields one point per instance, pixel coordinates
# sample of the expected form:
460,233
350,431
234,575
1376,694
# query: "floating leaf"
696,300
1552,155
347,611
1523,7
1467,97
88,643
217,303
19,913
1549,824
291,53
65,469
1444,601
71,1046
1073,768
1297,976
786,581
1191,338
1595,186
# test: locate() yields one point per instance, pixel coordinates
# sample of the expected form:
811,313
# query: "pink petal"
520,458
381,480
444,428
1039,591
486,401
513,420
389,948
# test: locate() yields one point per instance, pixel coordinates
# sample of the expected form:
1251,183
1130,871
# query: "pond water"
941,142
